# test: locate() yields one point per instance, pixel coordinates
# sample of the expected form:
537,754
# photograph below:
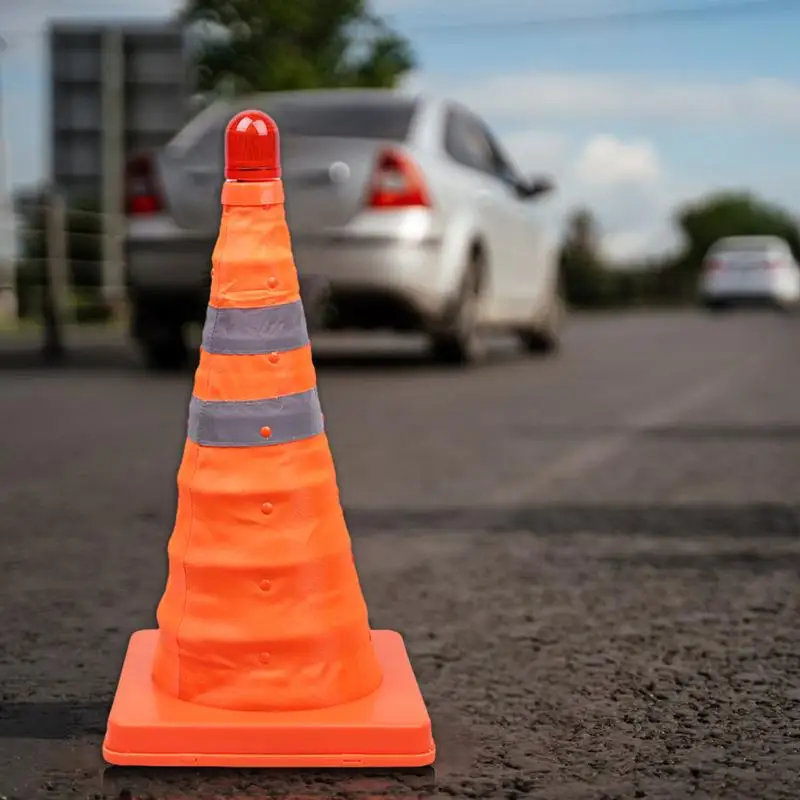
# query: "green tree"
275,45
584,277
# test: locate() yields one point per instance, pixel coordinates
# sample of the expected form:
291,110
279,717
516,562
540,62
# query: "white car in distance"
749,271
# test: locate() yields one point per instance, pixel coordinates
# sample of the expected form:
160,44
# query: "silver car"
750,271
404,209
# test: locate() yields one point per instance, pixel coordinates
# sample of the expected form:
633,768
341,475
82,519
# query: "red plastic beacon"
252,147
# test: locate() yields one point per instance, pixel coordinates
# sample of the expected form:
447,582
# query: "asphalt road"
594,560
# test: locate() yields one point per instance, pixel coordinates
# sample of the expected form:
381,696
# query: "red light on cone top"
252,148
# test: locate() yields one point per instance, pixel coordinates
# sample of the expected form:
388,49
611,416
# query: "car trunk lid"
329,152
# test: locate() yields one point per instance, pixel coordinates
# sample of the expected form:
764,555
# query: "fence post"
8,280
55,294
113,156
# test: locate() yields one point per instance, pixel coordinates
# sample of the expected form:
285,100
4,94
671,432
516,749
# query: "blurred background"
660,136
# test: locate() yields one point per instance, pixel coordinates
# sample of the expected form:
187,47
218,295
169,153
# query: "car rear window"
751,246
745,255
204,135
347,120
744,252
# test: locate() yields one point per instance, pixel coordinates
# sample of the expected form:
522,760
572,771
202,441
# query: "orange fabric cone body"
263,609
263,655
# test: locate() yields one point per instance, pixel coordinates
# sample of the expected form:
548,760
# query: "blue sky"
630,118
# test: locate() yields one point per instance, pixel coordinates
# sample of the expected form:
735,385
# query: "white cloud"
538,150
607,161
623,182
632,193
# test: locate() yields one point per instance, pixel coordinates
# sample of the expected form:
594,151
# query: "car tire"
456,340
160,335
165,350
544,338
315,294
788,308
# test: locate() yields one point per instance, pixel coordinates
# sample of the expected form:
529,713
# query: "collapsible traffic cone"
263,655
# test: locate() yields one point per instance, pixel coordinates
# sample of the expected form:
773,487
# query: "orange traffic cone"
263,655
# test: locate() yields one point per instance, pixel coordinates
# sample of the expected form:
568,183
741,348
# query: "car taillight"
712,264
397,183
773,262
143,196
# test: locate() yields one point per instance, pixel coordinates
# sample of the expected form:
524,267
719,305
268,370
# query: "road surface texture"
593,558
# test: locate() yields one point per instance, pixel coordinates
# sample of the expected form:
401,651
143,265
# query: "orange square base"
389,728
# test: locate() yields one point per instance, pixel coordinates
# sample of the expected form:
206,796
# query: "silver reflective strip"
251,331
238,423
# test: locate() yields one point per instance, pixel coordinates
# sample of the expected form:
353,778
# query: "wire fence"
59,277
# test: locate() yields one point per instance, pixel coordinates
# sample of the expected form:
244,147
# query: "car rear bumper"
173,278
752,288
168,264
371,282
398,279
746,302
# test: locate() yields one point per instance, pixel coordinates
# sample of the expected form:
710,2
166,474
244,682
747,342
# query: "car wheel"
545,337
157,327
457,338
315,293
786,307
165,349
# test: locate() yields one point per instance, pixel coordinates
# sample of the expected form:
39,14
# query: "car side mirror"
536,187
